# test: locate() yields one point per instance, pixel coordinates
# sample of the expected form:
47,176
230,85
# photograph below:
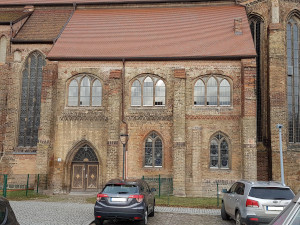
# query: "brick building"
198,95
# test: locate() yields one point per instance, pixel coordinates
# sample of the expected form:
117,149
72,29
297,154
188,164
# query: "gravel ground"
67,213
53,213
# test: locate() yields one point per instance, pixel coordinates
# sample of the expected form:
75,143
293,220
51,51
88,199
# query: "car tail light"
139,198
252,203
254,219
137,218
99,196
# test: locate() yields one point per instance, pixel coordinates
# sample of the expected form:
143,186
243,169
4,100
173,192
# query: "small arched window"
219,152
148,91
153,150
32,78
199,93
212,91
85,90
3,48
224,92
293,51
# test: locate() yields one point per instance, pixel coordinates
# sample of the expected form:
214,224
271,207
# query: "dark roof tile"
44,24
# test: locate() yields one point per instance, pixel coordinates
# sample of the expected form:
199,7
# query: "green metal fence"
163,185
22,183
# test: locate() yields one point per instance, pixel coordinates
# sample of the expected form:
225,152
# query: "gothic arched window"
153,150
256,27
85,90
219,152
148,91
212,91
85,154
293,78
31,100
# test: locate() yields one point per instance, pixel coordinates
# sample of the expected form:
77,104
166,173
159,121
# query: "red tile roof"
39,2
44,25
155,32
7,16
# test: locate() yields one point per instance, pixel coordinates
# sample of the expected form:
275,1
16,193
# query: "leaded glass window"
85,154
148,91
219,152
212,91
153,151
32,78
293,79
136,93
224,93
160,93
199,93
85,90
256,27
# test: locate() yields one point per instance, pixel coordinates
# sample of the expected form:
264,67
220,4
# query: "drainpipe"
124,127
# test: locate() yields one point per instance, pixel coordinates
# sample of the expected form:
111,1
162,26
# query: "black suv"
7,215
129,199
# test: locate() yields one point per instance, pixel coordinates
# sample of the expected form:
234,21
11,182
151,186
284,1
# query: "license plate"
274,208
118,199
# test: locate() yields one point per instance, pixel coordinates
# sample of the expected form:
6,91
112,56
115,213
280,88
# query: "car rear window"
271,193
120,189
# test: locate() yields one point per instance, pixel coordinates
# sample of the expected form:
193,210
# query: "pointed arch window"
153,150
85,90
219,152
293,51
148,91
3,49
212,91
32,78
85,154
256,27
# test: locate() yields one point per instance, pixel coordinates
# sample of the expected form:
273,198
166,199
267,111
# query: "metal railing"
22,183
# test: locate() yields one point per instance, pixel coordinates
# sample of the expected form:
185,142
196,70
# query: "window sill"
217,168
294,147
153,167
25,151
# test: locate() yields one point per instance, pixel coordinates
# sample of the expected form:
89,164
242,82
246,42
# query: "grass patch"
188,202
19,195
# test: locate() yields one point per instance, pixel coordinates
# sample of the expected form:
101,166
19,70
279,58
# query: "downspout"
124,126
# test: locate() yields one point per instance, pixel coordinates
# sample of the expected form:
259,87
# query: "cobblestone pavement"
66,213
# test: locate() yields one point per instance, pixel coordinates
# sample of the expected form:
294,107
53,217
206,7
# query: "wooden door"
92,176
78,176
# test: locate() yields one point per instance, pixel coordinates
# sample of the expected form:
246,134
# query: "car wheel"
145,219
224,215
238,218
152,213
99,221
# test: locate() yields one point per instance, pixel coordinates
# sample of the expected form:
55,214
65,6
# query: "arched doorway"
84,170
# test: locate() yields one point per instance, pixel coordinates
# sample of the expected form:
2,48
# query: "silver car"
290,215
253,203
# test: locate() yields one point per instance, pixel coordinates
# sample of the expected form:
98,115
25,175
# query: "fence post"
5,185
159,185
27,185
37,184
217,194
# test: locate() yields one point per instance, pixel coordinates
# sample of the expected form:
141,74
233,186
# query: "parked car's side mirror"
153,189
224,190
